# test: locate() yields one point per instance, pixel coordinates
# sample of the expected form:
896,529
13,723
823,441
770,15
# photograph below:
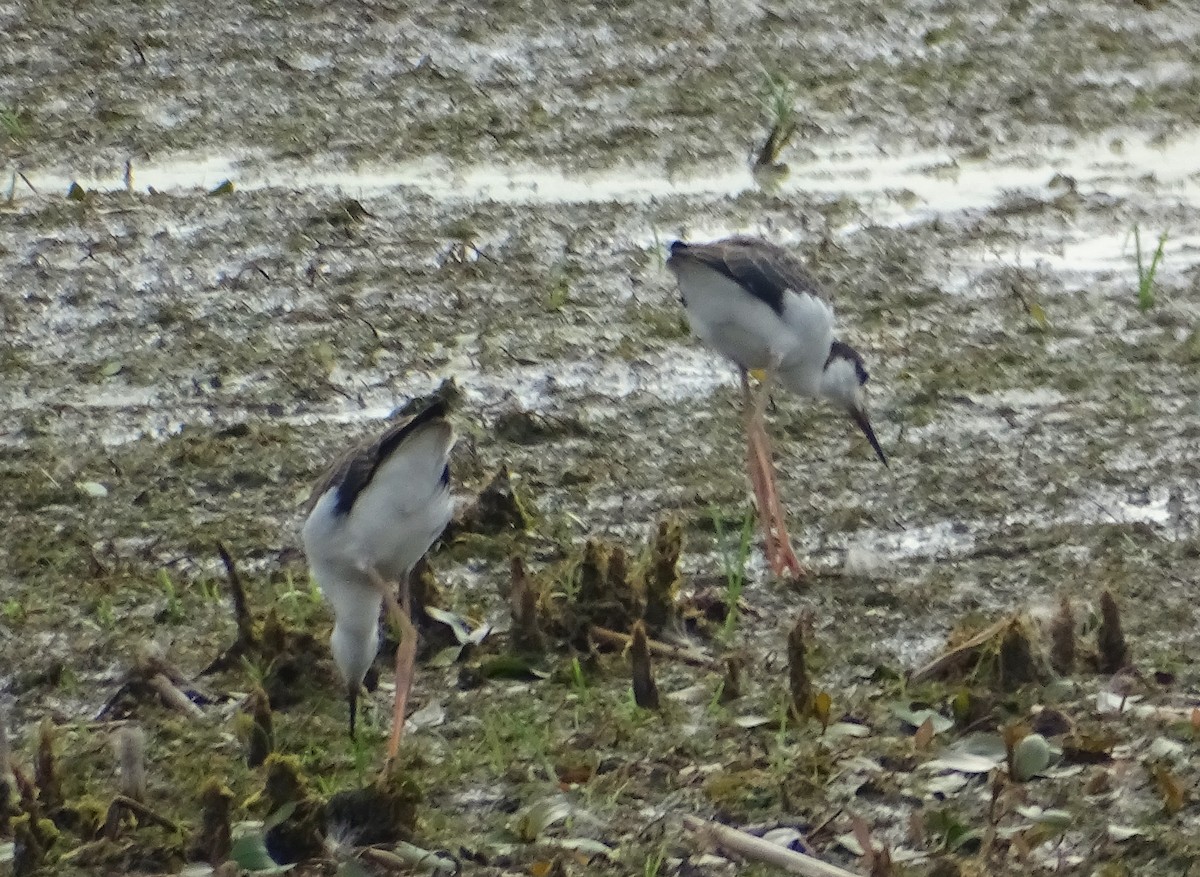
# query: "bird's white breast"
331,560
748,331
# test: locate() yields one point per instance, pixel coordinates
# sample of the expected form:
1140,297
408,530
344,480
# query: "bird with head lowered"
371,517
756,304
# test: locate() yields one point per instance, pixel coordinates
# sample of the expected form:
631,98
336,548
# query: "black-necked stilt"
370,519
756,304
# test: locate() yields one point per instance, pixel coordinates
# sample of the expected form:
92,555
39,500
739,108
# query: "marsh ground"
178,366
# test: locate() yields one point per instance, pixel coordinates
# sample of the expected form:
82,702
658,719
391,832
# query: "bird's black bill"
860,417
352,697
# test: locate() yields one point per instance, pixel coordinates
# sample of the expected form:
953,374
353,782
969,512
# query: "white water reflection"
897,185
537,387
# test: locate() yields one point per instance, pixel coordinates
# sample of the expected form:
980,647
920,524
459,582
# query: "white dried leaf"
751,721
428,717
1122,833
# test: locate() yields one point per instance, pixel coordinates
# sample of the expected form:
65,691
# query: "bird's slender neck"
807,376
353,651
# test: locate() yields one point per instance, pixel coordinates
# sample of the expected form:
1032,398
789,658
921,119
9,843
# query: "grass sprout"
1147,272
779,103
10,123
173,613
733,561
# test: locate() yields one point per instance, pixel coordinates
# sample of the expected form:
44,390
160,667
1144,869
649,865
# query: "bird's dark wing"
763,269
354,470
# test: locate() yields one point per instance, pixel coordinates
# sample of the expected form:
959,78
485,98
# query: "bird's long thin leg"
784,558
757,473
406,654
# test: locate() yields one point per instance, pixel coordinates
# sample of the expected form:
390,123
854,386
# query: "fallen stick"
405,857
173,698
663,650
759,850
112,821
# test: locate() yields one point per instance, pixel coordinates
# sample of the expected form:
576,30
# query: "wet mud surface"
485,194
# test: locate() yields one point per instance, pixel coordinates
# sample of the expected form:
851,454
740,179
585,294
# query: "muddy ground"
178,365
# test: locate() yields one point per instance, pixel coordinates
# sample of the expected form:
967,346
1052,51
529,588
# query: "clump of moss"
85,816
524,600
32,839
499,509
1004,655
346,213
299,835
291,656
739,793
256,727
603,594
382,813
213,840
662,575
447,391
295,660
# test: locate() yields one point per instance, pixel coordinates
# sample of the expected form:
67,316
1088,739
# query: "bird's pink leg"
785,559
757,473
406,655
782,559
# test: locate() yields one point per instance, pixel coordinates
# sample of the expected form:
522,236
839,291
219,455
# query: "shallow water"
894,185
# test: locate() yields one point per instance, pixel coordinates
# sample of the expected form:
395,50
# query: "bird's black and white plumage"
756,304
371,517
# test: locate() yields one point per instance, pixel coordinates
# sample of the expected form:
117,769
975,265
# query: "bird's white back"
406,505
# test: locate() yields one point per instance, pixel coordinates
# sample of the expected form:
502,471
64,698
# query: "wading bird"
371,517
756,304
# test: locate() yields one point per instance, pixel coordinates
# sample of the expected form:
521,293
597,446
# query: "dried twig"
120,804
241,606
759,850
607,637
405,856
247,640
960,655
174,698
